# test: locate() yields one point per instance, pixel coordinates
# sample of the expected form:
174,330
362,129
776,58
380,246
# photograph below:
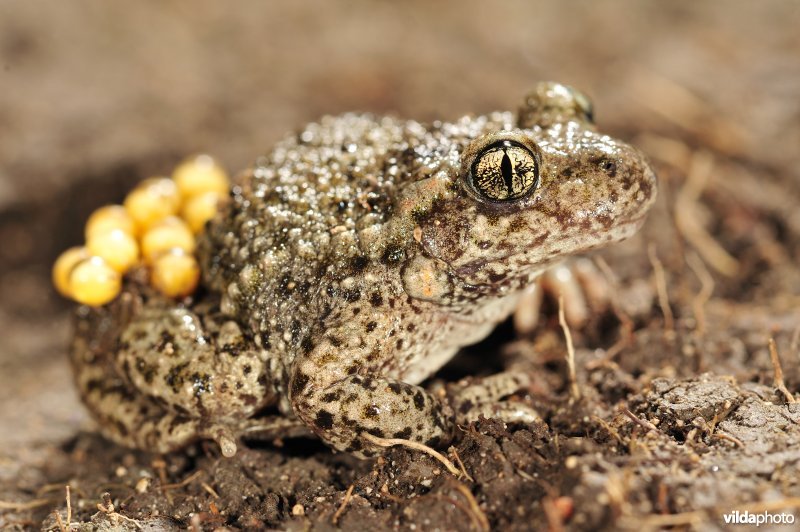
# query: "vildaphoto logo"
762,518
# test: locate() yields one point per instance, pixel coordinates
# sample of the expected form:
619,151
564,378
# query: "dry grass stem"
706,289
27,505
391,442
687,222
475,510
661,288
778,370
461,464
574,389
554,521
626,323
639,421
347,496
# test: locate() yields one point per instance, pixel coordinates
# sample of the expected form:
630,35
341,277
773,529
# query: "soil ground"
680,417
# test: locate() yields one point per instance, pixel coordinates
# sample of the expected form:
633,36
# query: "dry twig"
347,496
639,421
574,390
687,221
391,442
475,510
661,288
776,366
706,289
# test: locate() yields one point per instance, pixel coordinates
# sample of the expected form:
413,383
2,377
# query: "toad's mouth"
542,260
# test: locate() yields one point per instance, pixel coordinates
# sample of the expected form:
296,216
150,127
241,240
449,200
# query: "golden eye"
505,170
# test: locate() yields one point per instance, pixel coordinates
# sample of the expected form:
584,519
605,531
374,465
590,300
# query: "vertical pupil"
508,173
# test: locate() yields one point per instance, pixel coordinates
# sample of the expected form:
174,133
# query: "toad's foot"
584,288
484,397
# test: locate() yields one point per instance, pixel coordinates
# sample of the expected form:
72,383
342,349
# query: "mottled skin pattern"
350,264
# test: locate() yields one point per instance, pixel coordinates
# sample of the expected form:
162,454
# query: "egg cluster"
155,226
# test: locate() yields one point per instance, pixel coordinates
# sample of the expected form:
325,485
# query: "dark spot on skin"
395,387
331,291
399,343
356,311
352,295
609,167
403,434
375,299
174,379
375,431
265,343
419,400
352,370
299,383
307,345
433,442
567,172
354,446
335,342
239,385
201,383
262,379
330,397
350,398
465,407
371,412
496,277
165,342
324,420
484,244
411,327
359,263
371,326
247,369
147,371
393,254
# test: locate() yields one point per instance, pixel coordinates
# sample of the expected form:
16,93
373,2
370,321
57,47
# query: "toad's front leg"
341,394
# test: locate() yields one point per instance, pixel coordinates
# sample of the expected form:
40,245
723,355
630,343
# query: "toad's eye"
505,170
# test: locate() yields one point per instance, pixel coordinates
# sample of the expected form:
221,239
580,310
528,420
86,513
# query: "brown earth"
679,420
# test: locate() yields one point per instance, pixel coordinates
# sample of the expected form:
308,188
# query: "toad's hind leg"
159,377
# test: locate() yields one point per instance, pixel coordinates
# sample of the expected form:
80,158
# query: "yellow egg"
63,267
200,174
153,200
118,248
93,282
199,209
109,218
176,273
167,234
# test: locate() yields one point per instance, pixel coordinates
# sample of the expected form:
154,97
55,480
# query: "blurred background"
95,96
